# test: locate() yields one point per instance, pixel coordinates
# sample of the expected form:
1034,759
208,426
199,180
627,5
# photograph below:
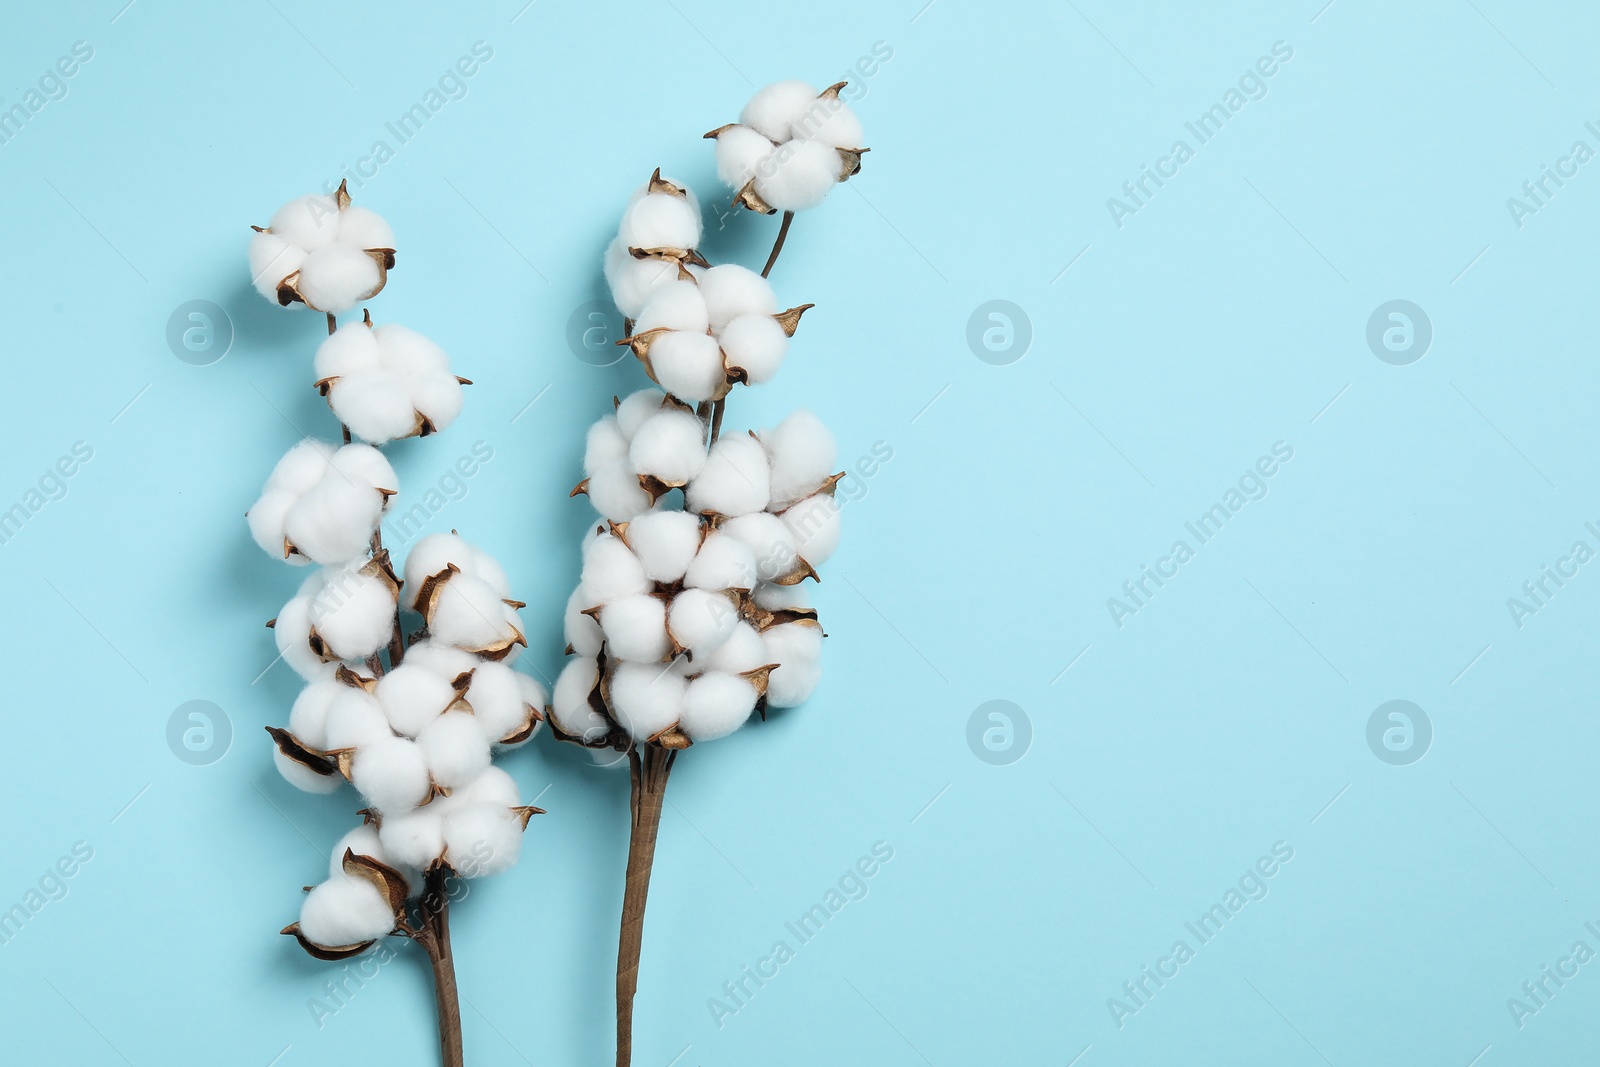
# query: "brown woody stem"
783,231
434,937
333,323
649,773
716,418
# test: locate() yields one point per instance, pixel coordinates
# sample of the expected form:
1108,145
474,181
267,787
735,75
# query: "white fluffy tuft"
715,705
734,481
344,911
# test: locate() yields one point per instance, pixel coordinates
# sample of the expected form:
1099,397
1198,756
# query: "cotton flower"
645,698
345,912
455,748
342,612
797,648
790,146
801,454
321,504
697,337
662,219
571,709
387,382
355,719
461,592
734,481
322,252
715,705
665,542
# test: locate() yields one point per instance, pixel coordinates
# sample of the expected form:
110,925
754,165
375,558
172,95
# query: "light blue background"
1228,714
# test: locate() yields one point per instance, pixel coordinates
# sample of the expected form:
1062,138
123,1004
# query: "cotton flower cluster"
478,831
416,740
323,252
387,382
685,621
657,242
790,146
698,330
412,725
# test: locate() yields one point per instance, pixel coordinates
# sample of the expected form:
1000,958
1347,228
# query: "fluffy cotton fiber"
734,481
344,911
329,256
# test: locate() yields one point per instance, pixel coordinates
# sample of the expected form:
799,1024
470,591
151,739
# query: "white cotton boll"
603,445
687,365
353,612
740,153
670,445
360,227
302,466
352,347
701,620
802,455
408,351
337,278
615,492
611,570
469,613
742,651
755,344
635,628
715,705
497,699
773,109
814,522
660,220
437,396
797,646
769,539
333,523
428,557
355,719
798,176
734,480
312,222
581,631
412,696
665,541
392,773
291,631
363,841
304,778
494,788
777,597
674,306
266,518
344,911
569,701
455,748
722,563
364,464
635,408
482,839
730,290
831,121
632,281
376,406
414,839
446,661
272,259
646,698
308,717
